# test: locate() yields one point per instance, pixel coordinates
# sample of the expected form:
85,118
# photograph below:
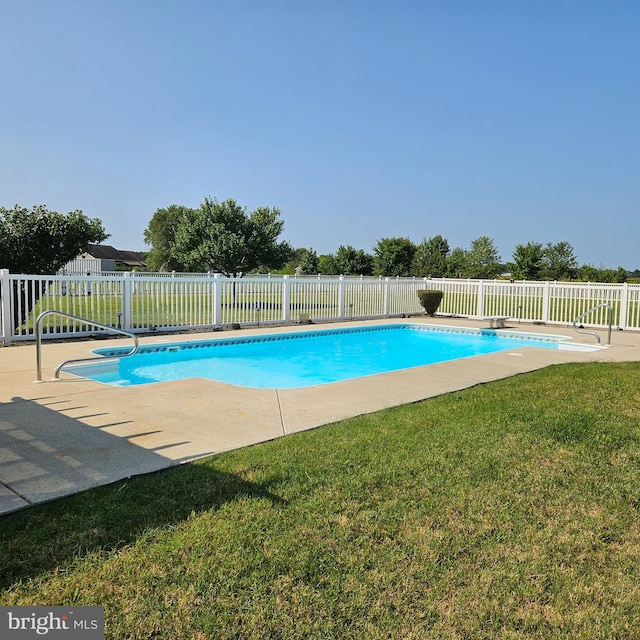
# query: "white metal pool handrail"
38,330
593,333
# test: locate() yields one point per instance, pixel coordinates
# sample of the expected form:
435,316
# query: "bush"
430,299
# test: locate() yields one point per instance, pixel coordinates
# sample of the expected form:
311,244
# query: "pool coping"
61,437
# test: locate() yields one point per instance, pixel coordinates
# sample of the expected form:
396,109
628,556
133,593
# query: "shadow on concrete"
45,453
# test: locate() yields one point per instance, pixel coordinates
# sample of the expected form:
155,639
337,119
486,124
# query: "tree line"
224,237
434,259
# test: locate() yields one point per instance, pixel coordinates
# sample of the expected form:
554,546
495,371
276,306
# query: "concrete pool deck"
61,437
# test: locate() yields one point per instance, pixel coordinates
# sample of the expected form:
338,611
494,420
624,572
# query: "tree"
308,262
393,257
161,233
559,262
527,261
302,259
327,264
457,263
483,259
589,273
222,237
430,258
349,261
40,242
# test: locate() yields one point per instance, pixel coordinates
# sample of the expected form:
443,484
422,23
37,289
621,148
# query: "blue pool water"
302,359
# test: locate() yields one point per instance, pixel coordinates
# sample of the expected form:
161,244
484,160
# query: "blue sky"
358,120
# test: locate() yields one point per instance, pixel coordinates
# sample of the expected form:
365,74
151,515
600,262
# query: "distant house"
103,257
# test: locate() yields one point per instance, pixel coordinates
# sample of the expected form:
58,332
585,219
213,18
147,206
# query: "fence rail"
140,302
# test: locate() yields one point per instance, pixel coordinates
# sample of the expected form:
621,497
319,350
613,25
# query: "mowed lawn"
509,510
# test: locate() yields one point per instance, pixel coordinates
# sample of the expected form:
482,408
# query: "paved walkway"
61,437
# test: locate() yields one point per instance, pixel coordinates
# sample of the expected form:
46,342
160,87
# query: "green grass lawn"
510,510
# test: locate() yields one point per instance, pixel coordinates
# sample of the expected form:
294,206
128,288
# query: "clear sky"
358,119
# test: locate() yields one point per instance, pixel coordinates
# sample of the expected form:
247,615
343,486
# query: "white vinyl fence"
142,302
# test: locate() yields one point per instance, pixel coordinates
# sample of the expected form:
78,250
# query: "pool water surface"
303,358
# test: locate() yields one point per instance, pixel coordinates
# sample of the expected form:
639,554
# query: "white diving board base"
495,322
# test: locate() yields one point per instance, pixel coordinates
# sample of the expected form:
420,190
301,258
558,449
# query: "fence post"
387,303
6,314
127,293
480,308
217,300
286,298
546,299
624,306
341,298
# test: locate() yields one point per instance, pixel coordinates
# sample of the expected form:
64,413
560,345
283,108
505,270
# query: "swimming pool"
304,358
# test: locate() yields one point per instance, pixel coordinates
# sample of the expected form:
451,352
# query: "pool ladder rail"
593,333
44,314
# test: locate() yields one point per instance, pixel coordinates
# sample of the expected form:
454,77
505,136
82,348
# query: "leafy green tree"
304,260
430,258
221,236
393,257
457,263
37,241
308,262
349,261
621,275
483,259
161,233
559,262
589,273
527,261
327,264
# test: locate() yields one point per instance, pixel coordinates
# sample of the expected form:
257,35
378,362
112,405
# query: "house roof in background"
107,252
